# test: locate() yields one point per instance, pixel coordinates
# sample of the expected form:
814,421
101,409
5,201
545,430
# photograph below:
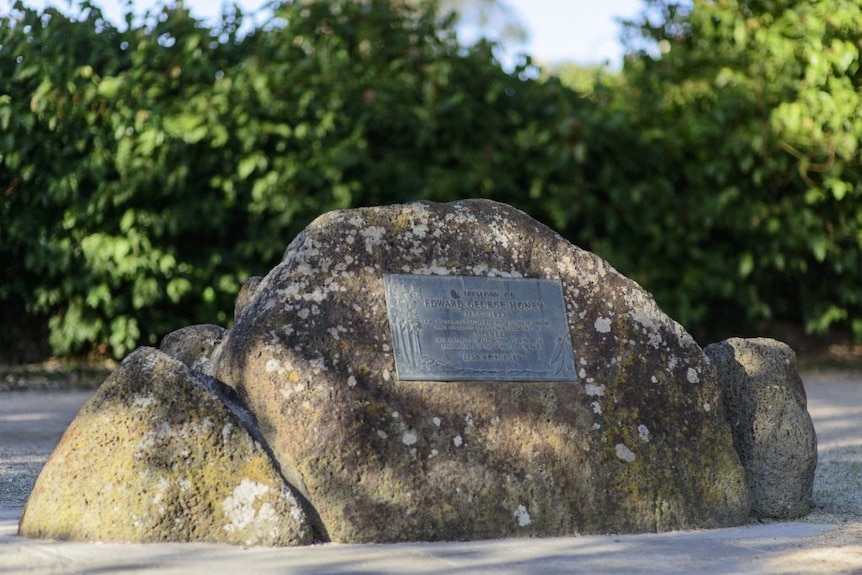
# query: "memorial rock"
161,453
394,426
766,407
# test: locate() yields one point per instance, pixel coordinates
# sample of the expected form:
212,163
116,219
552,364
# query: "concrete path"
828,541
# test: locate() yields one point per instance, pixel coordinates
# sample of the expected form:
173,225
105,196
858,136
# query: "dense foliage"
745,188
147,170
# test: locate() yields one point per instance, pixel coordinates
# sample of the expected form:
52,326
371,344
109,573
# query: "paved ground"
828,541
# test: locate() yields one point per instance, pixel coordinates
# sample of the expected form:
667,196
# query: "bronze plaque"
466,328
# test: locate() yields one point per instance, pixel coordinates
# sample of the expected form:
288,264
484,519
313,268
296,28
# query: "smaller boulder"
245,295
193,345
158,455
766,407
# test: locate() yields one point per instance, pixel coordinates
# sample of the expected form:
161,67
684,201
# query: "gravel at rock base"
835,404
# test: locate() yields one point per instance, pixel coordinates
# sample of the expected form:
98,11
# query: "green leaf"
746,264
109,87
178,288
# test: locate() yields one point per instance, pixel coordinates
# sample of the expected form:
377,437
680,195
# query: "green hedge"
146,171
746,193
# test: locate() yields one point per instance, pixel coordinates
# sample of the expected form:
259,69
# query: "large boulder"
161,453
637,443
766,407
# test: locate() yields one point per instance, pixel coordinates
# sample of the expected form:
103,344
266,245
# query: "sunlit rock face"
158,454
637,442
767,410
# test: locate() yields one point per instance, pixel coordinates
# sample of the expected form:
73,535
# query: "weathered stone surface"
157,455
193,345
245,294
638,444
766,406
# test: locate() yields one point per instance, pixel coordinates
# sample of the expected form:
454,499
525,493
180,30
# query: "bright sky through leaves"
581,31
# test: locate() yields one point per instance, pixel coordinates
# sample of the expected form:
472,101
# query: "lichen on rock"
388,460
155,455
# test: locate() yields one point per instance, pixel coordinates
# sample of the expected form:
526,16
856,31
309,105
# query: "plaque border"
406,342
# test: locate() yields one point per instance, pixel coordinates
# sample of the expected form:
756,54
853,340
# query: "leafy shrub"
145,172
150,170
728,155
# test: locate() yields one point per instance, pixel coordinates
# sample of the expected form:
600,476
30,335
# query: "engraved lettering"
531,305
486,304
456,303
492,357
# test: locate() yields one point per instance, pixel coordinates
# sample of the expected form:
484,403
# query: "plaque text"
461,328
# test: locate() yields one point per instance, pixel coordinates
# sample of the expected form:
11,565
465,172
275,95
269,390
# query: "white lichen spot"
351,381
395,415
162,488
434,453
382,434
318,295
386,375
597,408
624,453
318,364
594,390
692,376
583,373
272,366
468,419
643,432
239,507
373,237
596,427
522,516
603,325
431,270
295,510
303,313
654,379
707,407
458,441
143,402
437,421
409,438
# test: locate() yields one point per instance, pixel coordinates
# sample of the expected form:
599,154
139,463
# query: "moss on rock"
156,455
